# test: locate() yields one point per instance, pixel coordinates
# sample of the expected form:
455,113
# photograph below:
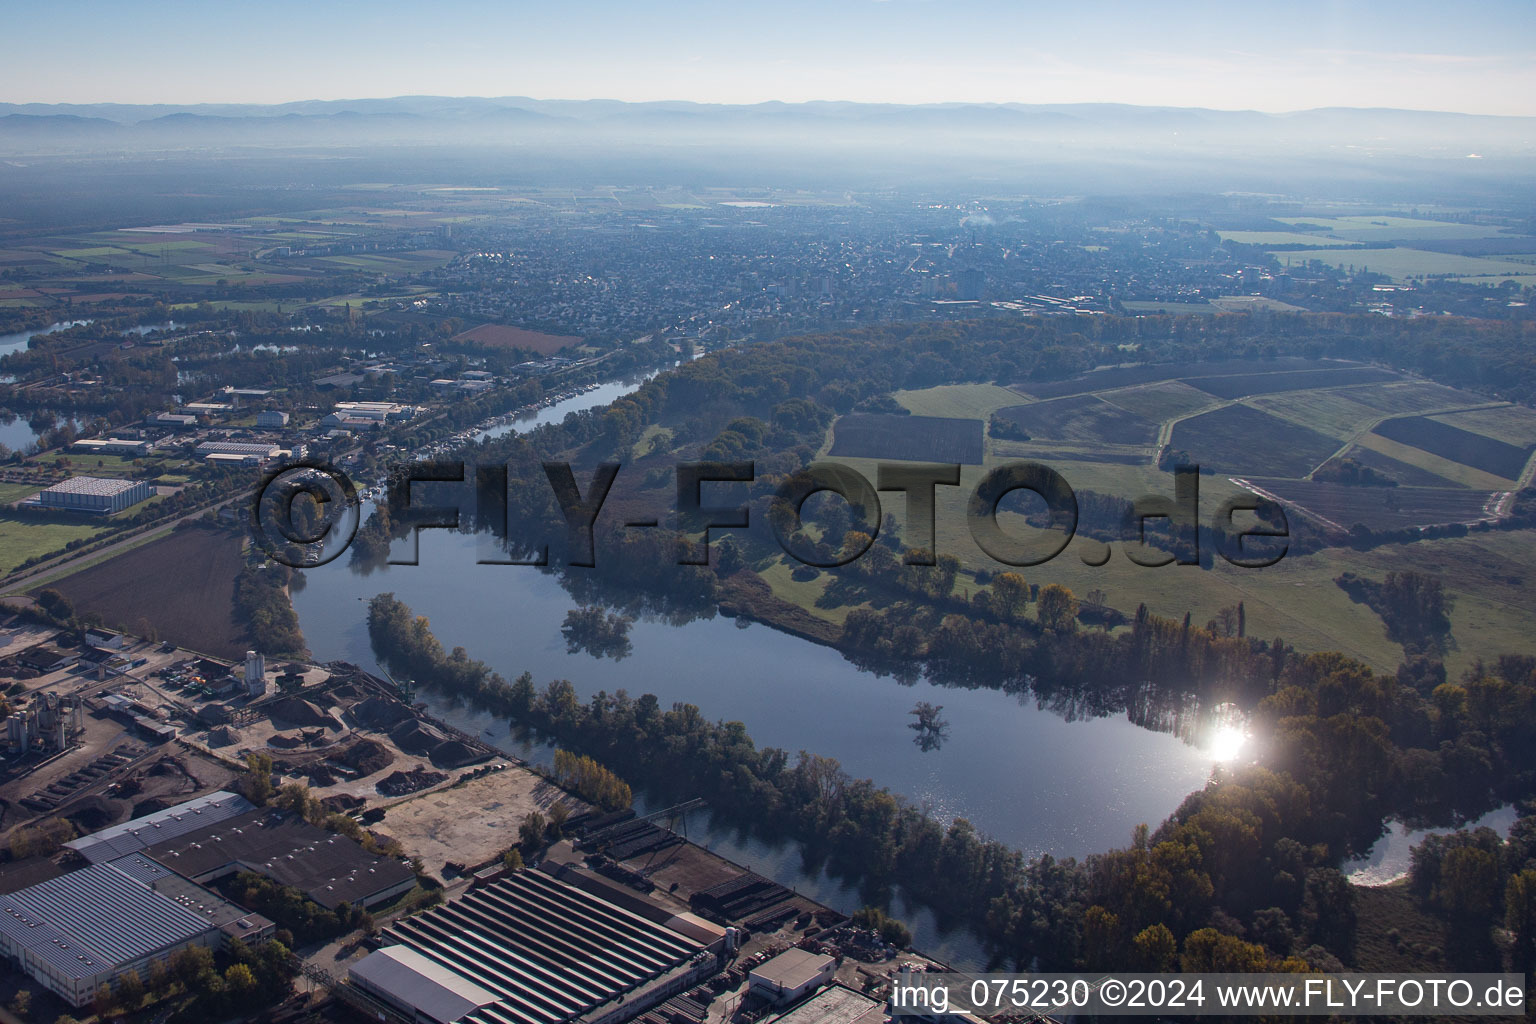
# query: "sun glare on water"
1227,743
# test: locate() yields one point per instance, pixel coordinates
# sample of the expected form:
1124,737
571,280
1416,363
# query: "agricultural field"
1368,228
180,587
1275,238
1243,303
1400,264
1428,462
909,438
1242,385
1512,424
959,401
1272,442
1237,439
1160,402
1335,413
1406,474
1381,508
1484,453
1080,418
1128,376
1171,308
502,336
1416,396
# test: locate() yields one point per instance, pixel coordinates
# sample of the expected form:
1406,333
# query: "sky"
1467,57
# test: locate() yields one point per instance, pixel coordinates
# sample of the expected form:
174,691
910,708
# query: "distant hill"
471,120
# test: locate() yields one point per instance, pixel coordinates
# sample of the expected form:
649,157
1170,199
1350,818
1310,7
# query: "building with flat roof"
402,977
142,832
97,495
111,446
790,975
546,952
328,868
91,927
256,451
271,418
835,1004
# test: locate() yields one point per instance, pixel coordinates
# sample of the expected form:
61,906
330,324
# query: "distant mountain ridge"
1333,133
464,106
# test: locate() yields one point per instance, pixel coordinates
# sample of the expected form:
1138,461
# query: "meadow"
1401,264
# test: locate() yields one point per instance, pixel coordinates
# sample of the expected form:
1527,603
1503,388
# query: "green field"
1243,303
1400,264
1170,307
1524,280
1275,238
1384,228
1297,599
959,401
10,493
21,539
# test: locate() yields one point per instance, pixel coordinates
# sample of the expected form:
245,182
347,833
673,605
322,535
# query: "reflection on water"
1391,857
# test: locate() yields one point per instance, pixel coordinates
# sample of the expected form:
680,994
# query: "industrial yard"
120,788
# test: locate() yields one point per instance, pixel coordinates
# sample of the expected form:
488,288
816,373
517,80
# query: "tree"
102,1003
239,980
21,1005
1056,609
558,813
187,964
1520,914
530,834
1010,595
257,782
1154,949
55,604
512,860
130,991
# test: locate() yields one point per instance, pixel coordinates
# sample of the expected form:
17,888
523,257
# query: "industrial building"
97,495
530,950
241,449
50,722
791,975
328,868
111,446
268,418
836,1004
255,677
91,927
141,833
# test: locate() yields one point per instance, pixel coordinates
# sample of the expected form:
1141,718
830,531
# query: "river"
17,342
1019,773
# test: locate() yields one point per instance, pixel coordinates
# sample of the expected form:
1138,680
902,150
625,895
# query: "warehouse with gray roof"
97,495
90,927
530,950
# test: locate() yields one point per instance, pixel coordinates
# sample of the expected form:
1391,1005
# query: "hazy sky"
1272,56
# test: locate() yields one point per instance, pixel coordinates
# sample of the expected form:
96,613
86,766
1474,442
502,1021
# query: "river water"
18,342
1019,773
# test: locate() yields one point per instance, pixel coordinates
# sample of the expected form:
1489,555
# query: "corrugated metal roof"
142,833
549,951
93,919
413,980
140,868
